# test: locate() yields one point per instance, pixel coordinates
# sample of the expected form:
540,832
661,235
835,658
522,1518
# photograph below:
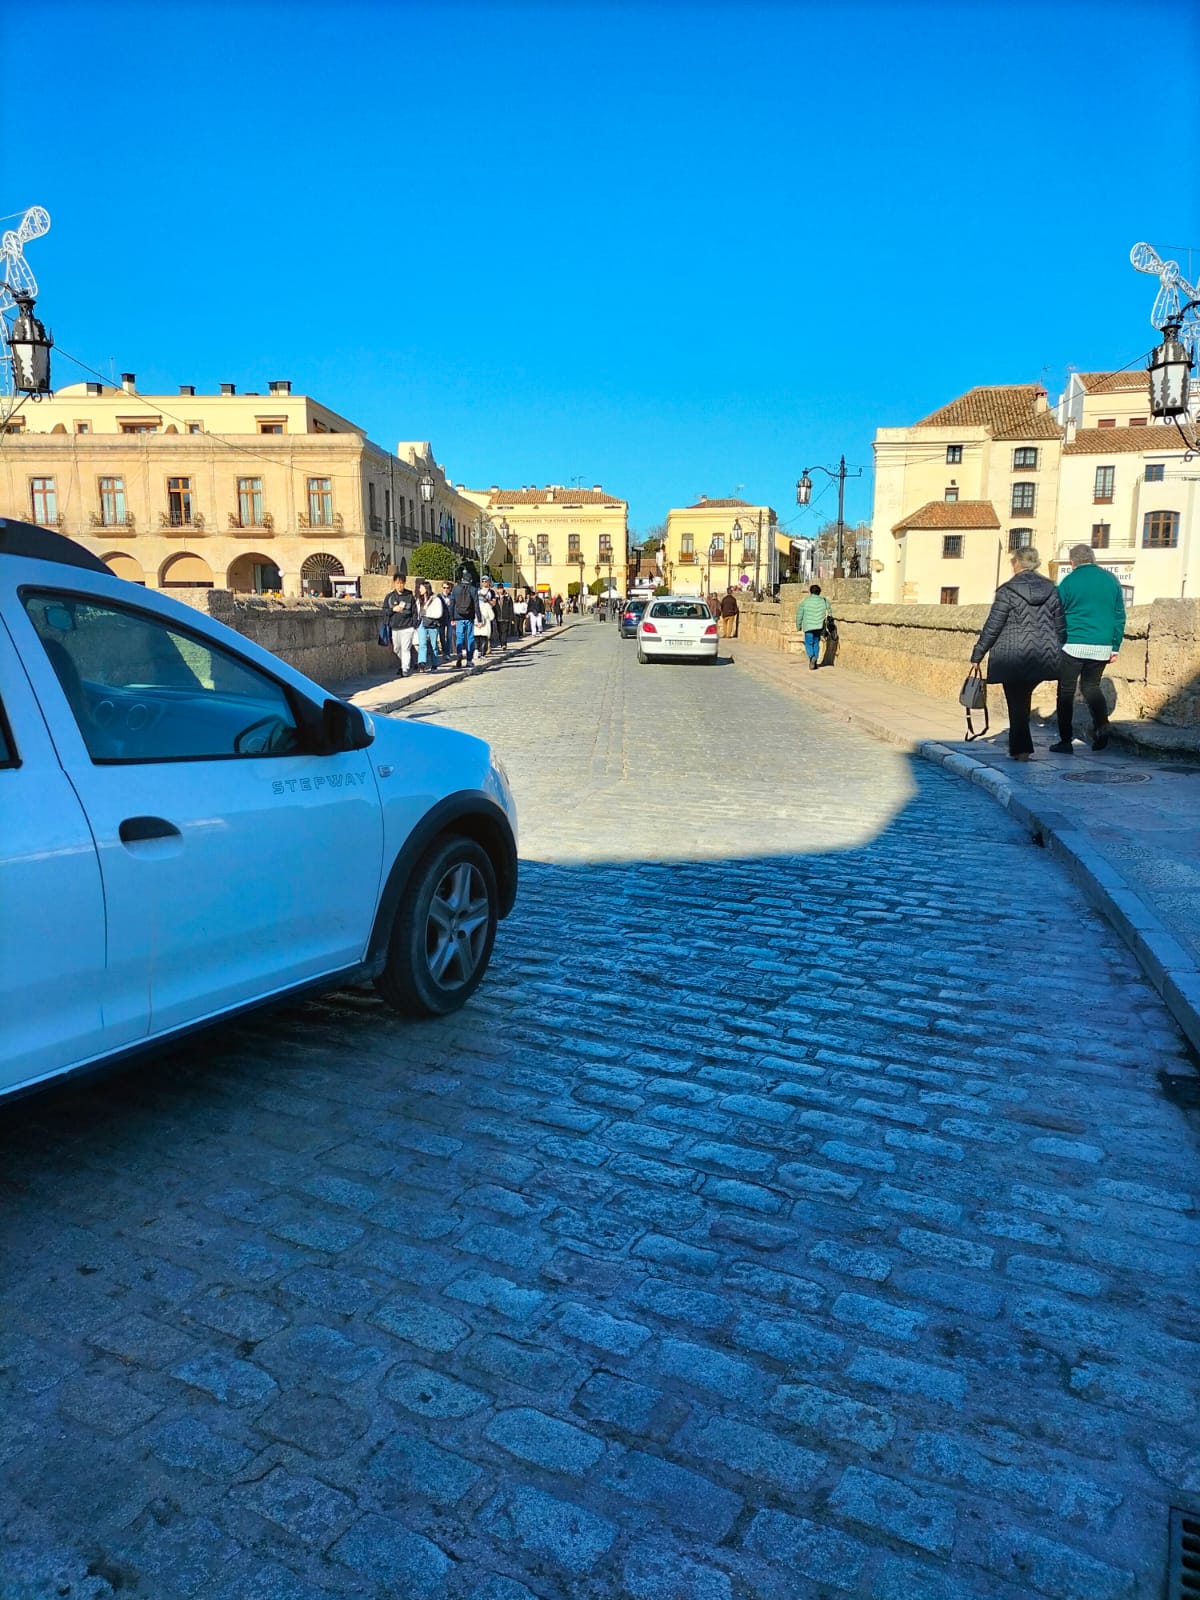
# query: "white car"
677,627
190,828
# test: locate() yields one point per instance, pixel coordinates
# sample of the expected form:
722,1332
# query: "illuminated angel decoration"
1177,300
17,281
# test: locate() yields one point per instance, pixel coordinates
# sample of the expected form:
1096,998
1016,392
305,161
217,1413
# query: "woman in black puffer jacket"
1022,639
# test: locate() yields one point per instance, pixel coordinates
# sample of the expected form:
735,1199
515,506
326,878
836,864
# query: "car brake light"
712,628
648,627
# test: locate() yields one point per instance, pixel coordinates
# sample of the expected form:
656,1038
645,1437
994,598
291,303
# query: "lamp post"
804,495
426,487
532,552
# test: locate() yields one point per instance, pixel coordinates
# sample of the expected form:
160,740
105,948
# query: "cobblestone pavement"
793,1214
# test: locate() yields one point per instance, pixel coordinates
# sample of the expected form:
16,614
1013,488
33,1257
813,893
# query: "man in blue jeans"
811,616
464,612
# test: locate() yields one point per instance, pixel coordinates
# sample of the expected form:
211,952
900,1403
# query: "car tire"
643,658
444,930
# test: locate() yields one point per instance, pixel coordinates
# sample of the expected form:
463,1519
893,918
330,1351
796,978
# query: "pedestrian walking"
1095,621
558,610
464,612
504,616
430,610
537,613
1022,639
400,617
728,610
812,614
446,625
520,612
483,629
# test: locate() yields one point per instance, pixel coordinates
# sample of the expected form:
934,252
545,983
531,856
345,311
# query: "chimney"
596,489
1071,426
549,491
281,386
128,382
228,388
187,388
95,388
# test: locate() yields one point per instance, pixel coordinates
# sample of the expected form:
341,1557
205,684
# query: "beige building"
1132,495
996,447
267,492
712,545
556,537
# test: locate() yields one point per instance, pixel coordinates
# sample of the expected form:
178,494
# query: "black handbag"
384,637
973,697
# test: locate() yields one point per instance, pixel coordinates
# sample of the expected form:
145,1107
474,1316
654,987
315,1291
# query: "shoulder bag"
973,697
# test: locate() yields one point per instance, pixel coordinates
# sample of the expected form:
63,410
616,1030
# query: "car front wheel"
444,930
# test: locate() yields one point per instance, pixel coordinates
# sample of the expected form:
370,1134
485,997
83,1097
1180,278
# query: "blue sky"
673,249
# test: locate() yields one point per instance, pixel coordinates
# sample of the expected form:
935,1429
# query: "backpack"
464,605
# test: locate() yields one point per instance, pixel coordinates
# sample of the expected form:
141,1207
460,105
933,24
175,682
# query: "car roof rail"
42,544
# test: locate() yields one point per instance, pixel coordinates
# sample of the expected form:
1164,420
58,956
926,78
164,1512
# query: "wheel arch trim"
471,813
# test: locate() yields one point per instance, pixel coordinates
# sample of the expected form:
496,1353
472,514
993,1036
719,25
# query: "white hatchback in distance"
190,828
677,627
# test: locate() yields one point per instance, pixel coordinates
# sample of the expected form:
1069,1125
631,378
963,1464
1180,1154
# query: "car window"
8,752
142,690
678,610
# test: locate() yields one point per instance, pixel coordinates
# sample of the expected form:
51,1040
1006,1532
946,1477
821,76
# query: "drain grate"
1105,775
1181,1088
1183,1577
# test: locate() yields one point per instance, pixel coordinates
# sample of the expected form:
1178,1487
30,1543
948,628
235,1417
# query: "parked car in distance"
676,627
631,615
190,828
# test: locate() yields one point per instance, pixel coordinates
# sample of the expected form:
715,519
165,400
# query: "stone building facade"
266,493
713,544
556,537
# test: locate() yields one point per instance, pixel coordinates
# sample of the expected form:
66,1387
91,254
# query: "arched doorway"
185,571
317,571
123,566
254,574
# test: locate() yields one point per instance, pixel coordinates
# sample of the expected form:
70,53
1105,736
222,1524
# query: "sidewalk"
386,692
1127,829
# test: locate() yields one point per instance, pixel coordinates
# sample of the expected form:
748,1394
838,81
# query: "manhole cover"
1105,775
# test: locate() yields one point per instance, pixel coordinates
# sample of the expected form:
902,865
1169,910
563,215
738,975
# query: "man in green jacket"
1095,610
811,616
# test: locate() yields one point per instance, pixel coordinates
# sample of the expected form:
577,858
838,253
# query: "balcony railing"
376,523
322,525
175,522
687,557
264,526
99,520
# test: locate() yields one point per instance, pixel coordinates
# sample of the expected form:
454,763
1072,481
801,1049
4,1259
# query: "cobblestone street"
794,1213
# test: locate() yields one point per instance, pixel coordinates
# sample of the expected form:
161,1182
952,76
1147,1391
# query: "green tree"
654,536
432,560
598,586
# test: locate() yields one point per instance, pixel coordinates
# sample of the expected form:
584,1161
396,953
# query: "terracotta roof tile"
1109,441
1006,410
703,505
557,497
1103,382
951,514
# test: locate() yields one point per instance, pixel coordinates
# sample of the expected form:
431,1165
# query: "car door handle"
135,830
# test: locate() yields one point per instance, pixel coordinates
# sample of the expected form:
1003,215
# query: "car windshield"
636,605
677,610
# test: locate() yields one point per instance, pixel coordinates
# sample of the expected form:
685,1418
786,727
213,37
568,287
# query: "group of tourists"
451,623
1066,633
726,612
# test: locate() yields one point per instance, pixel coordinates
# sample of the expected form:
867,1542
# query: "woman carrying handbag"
1021,639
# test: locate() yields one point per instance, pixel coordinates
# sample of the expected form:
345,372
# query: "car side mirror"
345,727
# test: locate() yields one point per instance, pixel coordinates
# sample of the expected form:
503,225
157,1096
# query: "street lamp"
29,346
737,534
1169,367
804,495
426,486
531,550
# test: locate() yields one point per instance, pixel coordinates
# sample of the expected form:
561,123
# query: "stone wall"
329,640
1156,676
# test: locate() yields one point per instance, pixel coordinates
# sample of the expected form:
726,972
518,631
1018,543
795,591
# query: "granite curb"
452,675
1167,965
1165,962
